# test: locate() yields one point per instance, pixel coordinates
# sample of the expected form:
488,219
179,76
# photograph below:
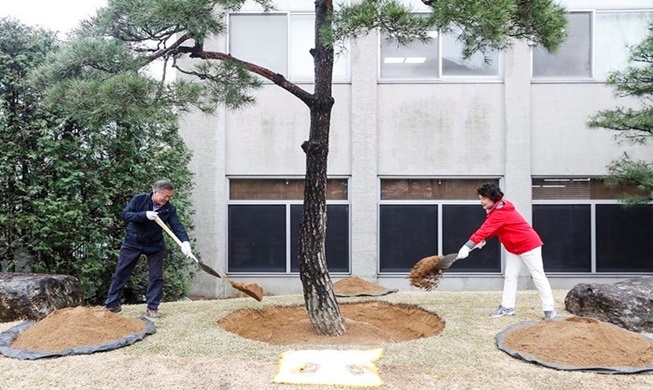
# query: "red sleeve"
489,228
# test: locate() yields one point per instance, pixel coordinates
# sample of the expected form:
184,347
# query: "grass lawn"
189,351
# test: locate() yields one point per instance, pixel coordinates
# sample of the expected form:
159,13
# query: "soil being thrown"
425,274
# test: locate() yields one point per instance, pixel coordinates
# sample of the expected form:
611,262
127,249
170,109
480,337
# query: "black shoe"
114,309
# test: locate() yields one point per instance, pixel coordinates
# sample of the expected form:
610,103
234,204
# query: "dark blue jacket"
144,234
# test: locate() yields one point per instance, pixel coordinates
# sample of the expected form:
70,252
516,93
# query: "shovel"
253,290
426,273
449,259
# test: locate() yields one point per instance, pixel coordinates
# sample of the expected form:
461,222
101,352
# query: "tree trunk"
319,297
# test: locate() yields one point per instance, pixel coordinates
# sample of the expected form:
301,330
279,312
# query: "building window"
585,228
425,217
597,44
572,60
281,43
613,34
566,232
624,238
263,225
440,58
479,64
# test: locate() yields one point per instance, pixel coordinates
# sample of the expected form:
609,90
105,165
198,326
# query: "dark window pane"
407,234
459,222
624,238
337,238
565,231
257,238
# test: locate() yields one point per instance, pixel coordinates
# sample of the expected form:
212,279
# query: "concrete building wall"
511,128
441,129
562,142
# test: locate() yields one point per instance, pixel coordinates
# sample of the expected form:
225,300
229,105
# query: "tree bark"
321,303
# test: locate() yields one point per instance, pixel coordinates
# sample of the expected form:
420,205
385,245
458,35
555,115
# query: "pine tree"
130,34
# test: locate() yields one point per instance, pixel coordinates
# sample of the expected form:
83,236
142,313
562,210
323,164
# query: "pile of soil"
371,322
575,341
581,342
76,327
357,286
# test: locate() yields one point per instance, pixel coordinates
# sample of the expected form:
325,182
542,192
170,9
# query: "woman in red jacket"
522,244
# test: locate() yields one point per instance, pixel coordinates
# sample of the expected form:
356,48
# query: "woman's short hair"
490,191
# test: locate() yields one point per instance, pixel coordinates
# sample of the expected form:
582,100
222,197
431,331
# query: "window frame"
440,204
288,203
593,77
441,78
337,79
592,201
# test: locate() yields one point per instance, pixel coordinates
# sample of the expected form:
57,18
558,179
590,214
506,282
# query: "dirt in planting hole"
574,341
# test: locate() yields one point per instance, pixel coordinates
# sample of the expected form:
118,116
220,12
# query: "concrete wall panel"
440,129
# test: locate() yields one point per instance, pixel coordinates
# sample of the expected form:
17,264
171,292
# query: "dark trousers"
126,263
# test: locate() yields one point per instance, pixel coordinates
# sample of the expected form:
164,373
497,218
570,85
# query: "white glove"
185,248
463,252
480,245
151,215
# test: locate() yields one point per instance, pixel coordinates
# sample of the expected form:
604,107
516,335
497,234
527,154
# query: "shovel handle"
171,234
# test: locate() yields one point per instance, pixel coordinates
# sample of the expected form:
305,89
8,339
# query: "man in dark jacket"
145,236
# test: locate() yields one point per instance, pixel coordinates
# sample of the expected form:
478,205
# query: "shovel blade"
447,261
208,269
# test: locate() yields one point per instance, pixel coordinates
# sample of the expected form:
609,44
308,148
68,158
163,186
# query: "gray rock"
34,296
627,304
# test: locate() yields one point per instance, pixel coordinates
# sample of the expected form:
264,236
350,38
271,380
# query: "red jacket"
503,221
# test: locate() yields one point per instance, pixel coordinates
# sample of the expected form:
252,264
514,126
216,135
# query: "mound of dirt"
371,322
76,327
355,286
581,342
575,341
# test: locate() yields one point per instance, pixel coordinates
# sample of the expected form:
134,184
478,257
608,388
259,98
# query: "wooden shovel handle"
253,290
170,233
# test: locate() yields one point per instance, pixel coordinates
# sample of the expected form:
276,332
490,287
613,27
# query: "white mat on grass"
330,367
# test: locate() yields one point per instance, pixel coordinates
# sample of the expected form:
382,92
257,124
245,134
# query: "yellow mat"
330,367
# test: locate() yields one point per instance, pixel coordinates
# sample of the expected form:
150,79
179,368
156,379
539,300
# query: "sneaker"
502,311
114,309
153,313
550,314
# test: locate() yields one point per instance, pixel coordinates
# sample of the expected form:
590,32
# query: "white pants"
533,260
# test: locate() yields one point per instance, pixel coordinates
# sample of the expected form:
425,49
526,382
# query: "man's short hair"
163,185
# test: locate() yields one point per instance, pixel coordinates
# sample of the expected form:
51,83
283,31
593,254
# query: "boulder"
34,296
627,304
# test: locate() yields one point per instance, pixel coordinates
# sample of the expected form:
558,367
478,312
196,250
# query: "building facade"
414,131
